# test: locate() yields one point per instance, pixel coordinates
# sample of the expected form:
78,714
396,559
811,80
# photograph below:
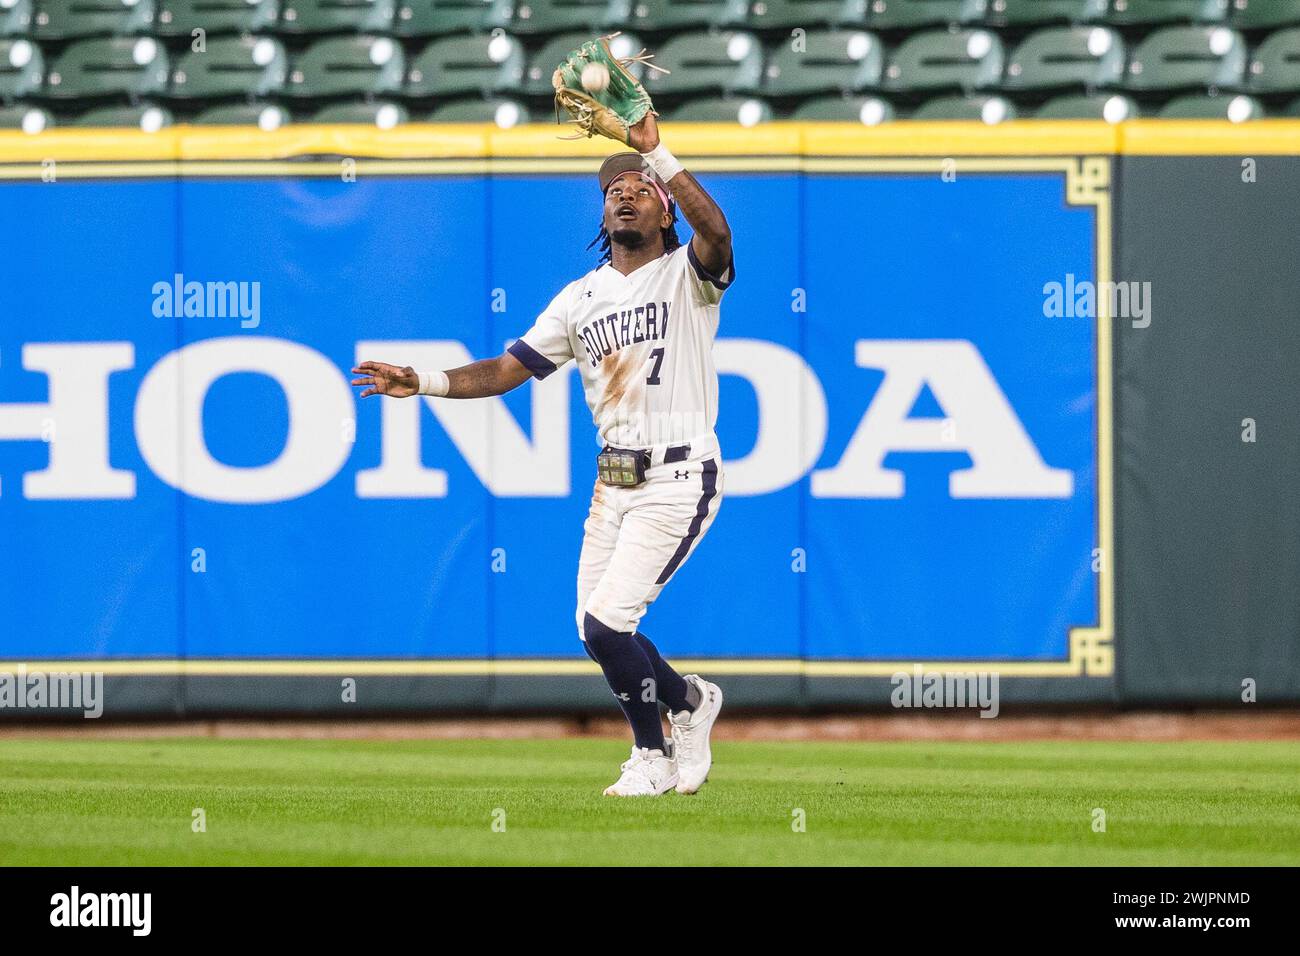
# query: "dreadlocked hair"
671,240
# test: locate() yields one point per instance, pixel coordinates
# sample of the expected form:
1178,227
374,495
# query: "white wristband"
434,383
664,163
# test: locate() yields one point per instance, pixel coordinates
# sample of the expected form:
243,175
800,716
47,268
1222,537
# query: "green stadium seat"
505,113
986,109
267,116
1275,67
177,18
146,116
729,61
1034,13
967,59
1292,109
535,17
479,64
231,66
1238,109
1127,13
1113,108
1264,14
74,19
1066,57
26,117
1185,57
381,113
537,78
787,14
660,15
311,17
914,14
832,60
744,112
347,66
867,110
22,68
15,19
427,18
102,67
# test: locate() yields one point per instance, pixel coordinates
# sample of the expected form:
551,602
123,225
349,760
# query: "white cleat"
690,731
647,773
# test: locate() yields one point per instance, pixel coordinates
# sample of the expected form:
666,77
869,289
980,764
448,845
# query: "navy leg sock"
629,675
672,687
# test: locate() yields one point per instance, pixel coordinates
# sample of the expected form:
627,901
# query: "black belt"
677,453
626,467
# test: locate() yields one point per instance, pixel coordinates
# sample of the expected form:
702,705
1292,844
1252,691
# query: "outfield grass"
104,802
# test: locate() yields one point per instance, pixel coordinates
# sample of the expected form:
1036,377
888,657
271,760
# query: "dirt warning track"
1154,726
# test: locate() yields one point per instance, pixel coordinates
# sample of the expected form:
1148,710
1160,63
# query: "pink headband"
663,194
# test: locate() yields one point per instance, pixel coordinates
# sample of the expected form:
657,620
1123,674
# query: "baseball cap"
620,163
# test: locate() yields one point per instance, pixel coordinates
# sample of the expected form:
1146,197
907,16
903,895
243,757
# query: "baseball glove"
615,109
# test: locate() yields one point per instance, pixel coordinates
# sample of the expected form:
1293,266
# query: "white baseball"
595,77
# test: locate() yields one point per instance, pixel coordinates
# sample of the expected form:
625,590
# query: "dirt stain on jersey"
620,377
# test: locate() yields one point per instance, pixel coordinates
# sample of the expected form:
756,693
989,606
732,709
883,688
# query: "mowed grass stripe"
84,802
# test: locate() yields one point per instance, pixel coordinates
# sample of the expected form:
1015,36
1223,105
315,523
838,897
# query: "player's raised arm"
712,239
482,379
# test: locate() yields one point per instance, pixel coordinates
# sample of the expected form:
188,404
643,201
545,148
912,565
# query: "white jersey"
644,347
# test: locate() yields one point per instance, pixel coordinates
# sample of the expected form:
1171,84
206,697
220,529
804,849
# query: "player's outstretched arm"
712,239
494,376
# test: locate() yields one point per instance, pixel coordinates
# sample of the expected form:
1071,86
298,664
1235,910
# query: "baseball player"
640,328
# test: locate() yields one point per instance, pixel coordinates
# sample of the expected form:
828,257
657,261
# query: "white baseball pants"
635,539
